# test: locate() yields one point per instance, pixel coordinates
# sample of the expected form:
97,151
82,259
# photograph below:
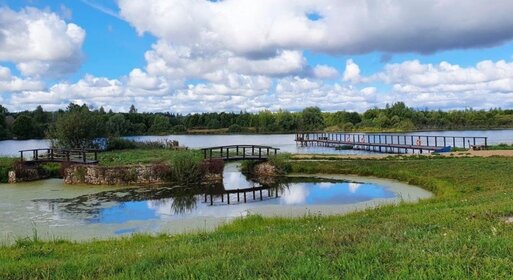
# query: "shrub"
162,171
120,144
51,169
282,163
186,169
179,129
213,166
4,174
247,167
234,128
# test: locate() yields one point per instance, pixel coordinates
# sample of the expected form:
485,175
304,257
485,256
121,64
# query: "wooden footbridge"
241,195
59,155
391,143
239,152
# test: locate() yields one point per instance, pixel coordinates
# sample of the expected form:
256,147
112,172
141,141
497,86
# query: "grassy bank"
461,233
6,164
145,156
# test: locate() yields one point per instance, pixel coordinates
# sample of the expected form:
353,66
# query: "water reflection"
169,202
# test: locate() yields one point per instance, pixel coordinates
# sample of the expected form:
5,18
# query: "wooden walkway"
391,143
59,155
239,152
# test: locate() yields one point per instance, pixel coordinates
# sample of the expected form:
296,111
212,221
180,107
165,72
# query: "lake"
77,212
283,141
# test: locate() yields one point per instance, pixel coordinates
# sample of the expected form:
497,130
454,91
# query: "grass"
501,146
6,164
145,156
459,234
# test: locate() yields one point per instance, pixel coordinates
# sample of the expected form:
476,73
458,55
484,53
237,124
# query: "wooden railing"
239,152
85,156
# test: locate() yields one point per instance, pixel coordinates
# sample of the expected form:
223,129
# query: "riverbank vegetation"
464,232
89,123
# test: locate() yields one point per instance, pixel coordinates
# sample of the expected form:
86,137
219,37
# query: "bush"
120,144
234,128
213,166
53,170
247,167
282,163
4,174
163,171
124,144
179,129
186,169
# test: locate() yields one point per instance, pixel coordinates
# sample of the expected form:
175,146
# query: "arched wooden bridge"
245,195
239,152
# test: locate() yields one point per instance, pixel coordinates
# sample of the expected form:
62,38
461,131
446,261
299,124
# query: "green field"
461,233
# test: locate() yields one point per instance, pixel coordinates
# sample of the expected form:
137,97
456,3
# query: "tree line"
84,122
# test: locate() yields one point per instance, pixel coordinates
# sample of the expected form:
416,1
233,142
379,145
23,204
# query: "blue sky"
194,56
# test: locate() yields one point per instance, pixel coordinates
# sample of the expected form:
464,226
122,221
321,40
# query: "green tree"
23,127
160,125
117,125
76,129
312,119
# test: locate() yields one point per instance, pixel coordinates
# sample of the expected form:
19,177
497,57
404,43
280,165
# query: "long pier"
59,155
391,143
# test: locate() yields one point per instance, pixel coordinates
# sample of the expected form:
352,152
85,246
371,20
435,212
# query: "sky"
189,56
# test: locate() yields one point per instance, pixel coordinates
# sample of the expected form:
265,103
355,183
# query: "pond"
76,212
283,141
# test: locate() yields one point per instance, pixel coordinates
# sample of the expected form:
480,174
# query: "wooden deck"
59,155
239,152
390,143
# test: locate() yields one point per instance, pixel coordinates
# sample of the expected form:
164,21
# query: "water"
283,141
79,212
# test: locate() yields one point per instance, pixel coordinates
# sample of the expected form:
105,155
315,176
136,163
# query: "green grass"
459,234
502,146
145,156
6,165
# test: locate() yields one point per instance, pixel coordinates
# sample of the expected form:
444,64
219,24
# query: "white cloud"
10,83
352,72
325,72
261,27
445,85
39,42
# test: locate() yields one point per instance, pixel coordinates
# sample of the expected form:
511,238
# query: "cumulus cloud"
260,27
325,72
10,83
352,72
444,85
39,42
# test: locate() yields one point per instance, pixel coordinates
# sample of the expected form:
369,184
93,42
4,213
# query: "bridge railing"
242,195
418,140
239,152
59,155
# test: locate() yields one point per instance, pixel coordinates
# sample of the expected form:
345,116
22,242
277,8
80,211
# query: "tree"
132,110
117,125
23,127
77,129
4,132
160,125
312,119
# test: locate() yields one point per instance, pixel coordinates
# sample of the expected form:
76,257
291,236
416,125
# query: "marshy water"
53,210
